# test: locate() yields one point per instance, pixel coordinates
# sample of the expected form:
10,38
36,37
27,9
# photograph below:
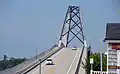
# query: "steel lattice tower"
72,25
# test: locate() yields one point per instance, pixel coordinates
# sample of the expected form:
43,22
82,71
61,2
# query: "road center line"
72,62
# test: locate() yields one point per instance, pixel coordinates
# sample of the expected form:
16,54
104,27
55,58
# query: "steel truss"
72,24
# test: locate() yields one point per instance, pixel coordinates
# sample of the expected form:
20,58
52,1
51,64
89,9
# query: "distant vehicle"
49,61
74,48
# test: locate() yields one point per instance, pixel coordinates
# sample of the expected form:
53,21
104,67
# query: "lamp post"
106,53
40,66
91,63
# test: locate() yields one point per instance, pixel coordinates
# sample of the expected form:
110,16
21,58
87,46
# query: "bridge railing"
99,72
26,63
36,63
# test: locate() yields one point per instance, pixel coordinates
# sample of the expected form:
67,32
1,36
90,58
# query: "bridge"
65,60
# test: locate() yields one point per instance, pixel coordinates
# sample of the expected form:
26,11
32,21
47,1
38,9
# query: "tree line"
96,63
9,63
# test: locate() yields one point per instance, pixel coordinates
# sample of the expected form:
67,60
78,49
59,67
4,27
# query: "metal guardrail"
36,63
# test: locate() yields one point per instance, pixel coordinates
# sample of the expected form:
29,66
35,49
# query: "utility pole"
36,53
40,66
101,61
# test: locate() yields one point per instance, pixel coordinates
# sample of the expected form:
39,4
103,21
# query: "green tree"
86,66
86,63
96,65
5,63
104,62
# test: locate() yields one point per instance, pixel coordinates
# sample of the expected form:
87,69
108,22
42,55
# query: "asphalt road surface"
65,62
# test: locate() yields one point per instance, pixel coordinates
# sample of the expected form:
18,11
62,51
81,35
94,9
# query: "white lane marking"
45,61
72,62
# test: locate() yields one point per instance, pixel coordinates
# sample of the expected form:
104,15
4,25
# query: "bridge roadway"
65,62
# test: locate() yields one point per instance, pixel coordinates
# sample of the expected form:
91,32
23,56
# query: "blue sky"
29,24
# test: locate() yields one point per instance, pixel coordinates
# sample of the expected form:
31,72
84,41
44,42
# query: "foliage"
86,66
5,63
96,66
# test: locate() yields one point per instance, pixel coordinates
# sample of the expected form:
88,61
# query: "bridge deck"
64,63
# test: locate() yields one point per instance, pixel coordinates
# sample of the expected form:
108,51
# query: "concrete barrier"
36,63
